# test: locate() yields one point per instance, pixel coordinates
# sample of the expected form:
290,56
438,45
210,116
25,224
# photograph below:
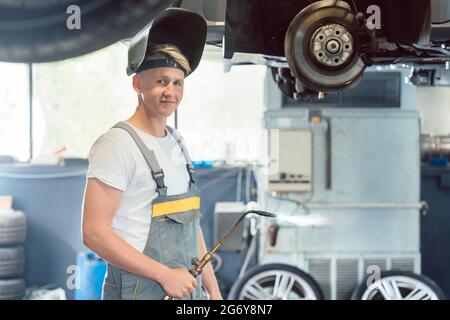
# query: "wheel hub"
332,45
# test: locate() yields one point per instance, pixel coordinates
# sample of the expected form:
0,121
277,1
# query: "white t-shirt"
116,160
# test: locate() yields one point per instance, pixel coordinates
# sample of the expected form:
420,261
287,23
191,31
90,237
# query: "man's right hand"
178,283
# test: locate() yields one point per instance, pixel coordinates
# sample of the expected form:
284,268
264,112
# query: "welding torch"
200,263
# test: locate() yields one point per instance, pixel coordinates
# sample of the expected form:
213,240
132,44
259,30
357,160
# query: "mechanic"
142,205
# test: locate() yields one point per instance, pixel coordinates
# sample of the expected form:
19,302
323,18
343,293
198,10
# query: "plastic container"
438,162
203,164
92,272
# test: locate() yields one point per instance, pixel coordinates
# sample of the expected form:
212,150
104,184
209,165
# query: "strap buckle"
159,179
191,172
158,175
162,190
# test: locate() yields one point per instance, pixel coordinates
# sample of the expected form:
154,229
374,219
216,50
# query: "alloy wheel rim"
399,288
277,285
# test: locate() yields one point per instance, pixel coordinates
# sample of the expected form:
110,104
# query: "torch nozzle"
262,213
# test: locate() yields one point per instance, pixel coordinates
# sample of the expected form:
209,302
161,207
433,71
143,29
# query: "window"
221,114
76,100
14,111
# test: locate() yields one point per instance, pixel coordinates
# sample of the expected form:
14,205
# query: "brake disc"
322,49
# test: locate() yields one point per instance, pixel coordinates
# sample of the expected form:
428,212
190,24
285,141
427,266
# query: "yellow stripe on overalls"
175,206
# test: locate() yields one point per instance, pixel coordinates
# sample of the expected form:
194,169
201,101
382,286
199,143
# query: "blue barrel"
92,271
52,198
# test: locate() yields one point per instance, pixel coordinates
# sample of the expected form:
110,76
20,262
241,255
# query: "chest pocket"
183,217
178,238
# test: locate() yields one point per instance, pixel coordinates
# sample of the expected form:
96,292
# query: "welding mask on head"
182,28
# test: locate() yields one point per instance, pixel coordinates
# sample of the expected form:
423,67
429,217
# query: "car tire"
12,289
43,31
264,279
12,262
12,228
411,286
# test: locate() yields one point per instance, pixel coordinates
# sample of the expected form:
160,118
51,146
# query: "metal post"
30,97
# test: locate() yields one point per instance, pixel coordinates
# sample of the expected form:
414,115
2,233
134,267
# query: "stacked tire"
12,254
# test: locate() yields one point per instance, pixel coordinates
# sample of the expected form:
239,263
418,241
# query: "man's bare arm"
100,205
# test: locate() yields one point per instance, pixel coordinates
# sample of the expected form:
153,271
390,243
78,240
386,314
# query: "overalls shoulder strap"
189,165
149,155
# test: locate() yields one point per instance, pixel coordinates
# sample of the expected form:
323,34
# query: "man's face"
161,90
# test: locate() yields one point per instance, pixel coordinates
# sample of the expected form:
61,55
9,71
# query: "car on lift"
314,47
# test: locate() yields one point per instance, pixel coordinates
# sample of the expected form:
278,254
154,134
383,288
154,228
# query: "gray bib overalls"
172,239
